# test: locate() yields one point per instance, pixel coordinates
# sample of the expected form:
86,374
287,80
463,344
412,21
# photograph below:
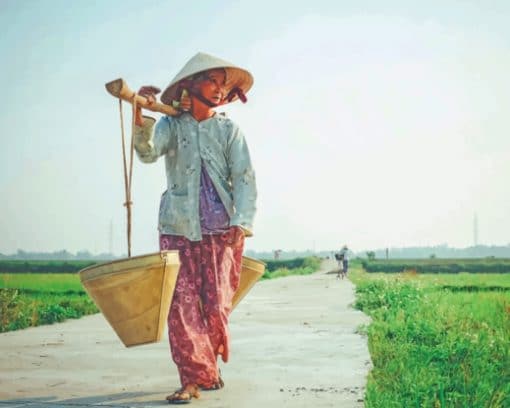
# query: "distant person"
342,258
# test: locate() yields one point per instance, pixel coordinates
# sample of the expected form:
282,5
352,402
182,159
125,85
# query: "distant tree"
432,256
370,255
84,254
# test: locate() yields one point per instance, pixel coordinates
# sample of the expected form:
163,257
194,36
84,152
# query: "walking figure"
205,214
343,262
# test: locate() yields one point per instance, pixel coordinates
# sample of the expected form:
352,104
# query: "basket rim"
160,256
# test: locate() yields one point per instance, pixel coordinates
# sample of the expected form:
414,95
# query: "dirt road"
294,344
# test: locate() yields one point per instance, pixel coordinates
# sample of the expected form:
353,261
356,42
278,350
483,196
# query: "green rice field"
440,340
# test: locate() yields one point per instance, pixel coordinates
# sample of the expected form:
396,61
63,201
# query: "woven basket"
134,294
252,270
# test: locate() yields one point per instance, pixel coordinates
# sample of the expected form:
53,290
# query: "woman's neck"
200,111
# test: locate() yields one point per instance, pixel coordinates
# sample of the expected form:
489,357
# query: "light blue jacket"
216,142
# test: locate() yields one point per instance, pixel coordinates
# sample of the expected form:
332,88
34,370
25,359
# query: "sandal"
183,396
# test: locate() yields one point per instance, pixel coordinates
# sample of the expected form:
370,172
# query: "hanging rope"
128,176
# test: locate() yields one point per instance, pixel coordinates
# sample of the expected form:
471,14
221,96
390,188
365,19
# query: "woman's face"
212,86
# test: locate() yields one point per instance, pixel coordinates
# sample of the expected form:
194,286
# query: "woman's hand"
149,92
236,238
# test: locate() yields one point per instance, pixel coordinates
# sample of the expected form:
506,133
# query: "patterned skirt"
198,318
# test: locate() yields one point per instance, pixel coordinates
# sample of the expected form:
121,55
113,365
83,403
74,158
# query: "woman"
206,212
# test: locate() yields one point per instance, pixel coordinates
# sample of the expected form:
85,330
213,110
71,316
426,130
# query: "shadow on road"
124,399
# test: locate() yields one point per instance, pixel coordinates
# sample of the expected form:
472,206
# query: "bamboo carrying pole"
121,90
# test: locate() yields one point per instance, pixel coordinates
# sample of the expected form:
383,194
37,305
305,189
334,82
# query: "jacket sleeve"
151,141
244,189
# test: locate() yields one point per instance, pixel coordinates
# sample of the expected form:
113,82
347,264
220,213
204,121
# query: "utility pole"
111,237
475,230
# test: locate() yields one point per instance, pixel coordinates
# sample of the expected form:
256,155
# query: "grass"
44,282
436,340
307,267
32,299
435,266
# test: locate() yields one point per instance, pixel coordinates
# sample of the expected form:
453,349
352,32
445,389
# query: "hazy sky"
376,124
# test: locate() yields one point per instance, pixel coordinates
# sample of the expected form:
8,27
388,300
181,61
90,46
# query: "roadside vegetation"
33,299
436,340
296,266
434,265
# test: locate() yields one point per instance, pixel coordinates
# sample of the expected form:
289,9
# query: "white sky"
376,125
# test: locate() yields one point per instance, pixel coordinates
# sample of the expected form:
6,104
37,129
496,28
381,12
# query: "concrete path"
294,344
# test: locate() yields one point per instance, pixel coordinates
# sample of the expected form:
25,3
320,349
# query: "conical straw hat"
236,77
